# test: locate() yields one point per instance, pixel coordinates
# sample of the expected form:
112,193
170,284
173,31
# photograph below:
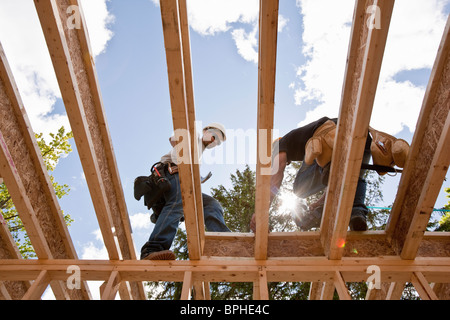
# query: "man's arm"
278,167
280,162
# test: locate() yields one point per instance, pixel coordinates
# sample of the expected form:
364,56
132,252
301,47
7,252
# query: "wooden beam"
361,78
395,291
4,292
378,294
9,250
109,291
177,87
341,288
189,88
328,289
442,290
422,287
315,290
28,182
38,287
263,285
392,269
427,162
201,291
267,50
187,286
308,244
74,67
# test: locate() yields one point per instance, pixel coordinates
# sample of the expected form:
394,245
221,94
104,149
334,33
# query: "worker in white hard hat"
168,212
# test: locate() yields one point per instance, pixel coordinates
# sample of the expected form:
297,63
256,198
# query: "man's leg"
359,211
158,245
213,213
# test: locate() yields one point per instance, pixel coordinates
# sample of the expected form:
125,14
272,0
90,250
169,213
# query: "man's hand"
253,223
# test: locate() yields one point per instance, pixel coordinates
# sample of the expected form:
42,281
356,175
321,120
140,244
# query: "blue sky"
127,40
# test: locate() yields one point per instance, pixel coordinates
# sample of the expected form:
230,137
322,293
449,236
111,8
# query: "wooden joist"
308,244
427,162
395,269
267,50
28,182
173,43
190,103
361,78
109,288
10,290
74,67
38,287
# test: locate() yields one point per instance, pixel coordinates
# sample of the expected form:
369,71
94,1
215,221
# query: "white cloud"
140,221
25,47
211,17
98,19
246,43
414,35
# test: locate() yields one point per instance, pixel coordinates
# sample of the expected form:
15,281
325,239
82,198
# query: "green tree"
444,223
51,153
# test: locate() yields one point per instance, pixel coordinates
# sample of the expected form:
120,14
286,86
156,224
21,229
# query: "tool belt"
154,186
386,150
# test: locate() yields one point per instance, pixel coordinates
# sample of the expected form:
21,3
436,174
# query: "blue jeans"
310,180
167,224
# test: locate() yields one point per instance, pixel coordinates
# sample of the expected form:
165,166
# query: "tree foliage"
51,152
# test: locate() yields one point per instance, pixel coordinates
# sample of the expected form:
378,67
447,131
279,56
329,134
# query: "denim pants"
313,178
167,224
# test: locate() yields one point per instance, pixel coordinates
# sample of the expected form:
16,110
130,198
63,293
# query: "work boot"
158,255
358,221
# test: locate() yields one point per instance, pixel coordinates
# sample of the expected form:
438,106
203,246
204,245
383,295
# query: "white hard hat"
218,126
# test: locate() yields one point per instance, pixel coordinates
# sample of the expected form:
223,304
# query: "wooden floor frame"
328,258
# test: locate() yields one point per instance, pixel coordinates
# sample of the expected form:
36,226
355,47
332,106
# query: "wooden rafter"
360,83
75,71
29,183
177,85
267,49
427,162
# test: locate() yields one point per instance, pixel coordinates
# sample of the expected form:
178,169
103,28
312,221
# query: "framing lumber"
308,244
328,259
109,291
38,287
442,290
263,293
74,67
10,290
327,290
28,181
187,286
421,285
392,269
315,290
341,287
428,161
395,291
177,86
378,294
189,88
267,50
361,78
